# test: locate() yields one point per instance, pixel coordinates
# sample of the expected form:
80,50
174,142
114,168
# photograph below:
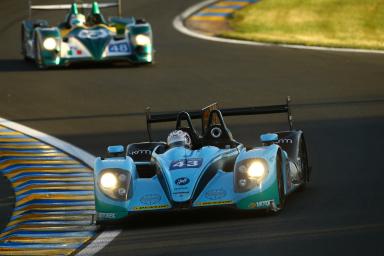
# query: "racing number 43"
186,163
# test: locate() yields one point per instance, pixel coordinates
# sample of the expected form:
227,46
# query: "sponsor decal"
263,203
106,215
150,199
260,204
285,141
183,189
118,48
181,193
93,34
140,152
215,194
186,163
182,181
214,203
151,207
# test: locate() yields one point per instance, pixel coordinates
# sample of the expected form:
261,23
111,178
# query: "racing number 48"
119,48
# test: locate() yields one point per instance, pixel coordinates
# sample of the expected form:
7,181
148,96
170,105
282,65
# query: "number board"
186,163
119,48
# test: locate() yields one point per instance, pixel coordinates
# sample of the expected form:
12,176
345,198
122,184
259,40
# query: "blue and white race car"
190,170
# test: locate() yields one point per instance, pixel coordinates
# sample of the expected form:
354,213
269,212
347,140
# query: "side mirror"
116,150
269,138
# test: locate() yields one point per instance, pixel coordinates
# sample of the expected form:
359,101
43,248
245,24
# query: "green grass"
334,23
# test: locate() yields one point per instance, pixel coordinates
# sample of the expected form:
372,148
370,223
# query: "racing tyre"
303,164
38,57
23,43
280,183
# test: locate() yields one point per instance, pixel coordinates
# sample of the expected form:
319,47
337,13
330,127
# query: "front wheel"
38,58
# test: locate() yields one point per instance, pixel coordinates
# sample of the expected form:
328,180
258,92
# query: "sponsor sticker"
93,34
150,199
120,48
215,194
260,204
140,152
180,194
214,203
106,215
285,141
182,181
151,207
186,163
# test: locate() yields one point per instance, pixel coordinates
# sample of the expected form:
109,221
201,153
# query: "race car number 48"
122,47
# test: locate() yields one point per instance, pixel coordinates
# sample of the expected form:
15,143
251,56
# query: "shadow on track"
150,220
16,65
20,65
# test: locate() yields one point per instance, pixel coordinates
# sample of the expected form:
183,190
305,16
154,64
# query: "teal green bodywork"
119,212
95,47
271,193
142,53
49,58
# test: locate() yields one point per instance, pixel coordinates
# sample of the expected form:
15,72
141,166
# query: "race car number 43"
186,163
122,47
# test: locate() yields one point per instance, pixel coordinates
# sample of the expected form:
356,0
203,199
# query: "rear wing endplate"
55,7
198,114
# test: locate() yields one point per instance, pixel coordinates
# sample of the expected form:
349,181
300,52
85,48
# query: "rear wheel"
280,183
303,163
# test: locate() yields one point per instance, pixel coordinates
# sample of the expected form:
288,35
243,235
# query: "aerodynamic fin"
94,6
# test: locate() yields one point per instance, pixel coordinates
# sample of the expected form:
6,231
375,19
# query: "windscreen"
205,116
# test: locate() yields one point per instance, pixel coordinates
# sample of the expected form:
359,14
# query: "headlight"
114,183
50,44
142,40
108,181
250,173
257,170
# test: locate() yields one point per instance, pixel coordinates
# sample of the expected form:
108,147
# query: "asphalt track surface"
339,103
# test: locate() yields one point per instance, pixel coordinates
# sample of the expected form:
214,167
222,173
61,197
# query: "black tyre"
303,163
23,44
38,58
280,182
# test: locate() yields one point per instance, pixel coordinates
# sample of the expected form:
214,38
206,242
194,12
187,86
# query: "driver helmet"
77,20
179,138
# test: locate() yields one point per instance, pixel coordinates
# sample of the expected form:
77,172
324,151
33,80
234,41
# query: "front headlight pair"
115,183
250,173
50,44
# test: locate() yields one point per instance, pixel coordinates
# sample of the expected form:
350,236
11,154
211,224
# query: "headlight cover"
142,40
250,173
114,183
50,43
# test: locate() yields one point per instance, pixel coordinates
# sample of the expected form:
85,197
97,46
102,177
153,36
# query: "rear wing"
55,7
198,114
